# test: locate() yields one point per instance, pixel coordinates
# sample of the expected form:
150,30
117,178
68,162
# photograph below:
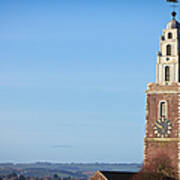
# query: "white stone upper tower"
168,68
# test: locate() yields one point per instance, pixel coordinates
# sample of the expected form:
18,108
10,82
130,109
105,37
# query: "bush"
159,168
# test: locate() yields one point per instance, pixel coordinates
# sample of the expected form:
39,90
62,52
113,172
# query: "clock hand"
159,126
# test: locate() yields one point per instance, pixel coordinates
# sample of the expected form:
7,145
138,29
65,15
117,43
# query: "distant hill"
73,170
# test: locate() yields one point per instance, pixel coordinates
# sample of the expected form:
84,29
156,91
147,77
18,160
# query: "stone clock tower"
163,100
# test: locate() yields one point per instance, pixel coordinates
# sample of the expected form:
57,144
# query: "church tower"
162,134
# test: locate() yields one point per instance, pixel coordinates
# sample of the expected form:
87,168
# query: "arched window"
170,36
162,109
167,73
168,50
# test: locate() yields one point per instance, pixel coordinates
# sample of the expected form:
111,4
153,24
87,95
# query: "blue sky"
73,75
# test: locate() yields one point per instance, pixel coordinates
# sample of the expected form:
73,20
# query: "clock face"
162,128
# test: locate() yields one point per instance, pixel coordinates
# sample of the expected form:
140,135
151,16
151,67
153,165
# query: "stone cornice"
162,139
154,88
162,92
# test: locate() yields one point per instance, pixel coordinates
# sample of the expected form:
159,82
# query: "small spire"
173,15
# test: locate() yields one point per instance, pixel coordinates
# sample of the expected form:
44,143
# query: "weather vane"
174,3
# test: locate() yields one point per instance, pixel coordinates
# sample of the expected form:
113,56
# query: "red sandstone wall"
152,108
155,148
